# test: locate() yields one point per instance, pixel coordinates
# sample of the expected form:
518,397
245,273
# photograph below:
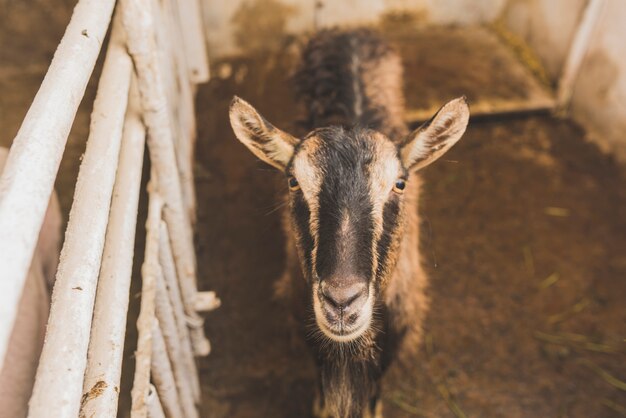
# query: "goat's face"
346,198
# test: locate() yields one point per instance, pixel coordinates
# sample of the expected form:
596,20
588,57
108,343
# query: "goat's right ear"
270,144
431,140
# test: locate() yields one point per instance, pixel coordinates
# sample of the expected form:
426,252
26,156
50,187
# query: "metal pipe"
183,109
28,177
169,273
149,273
59,382
172,341
207,301
577,53
190,15
139,27
162,375
106,345
155,409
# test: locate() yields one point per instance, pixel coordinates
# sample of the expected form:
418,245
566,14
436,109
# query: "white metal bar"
178,94
190,15
155,409
186,110
149,273
139,27
183,110
577,52
169,331
163,50
106,346
28,178
162,375
169,273
207,301
58,386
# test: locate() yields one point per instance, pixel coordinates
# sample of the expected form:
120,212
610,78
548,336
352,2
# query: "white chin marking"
344,338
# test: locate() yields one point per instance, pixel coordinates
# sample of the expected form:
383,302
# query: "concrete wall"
548,26
236,25
599,100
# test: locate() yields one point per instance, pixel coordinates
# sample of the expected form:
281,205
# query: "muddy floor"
524,238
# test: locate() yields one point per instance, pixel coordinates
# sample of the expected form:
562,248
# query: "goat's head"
346,204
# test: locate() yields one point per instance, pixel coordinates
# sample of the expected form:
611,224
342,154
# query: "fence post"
106,345
28,177
59,382
149,272
139,27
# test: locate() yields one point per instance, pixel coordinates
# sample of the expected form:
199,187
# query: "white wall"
548,26
599,100
296,16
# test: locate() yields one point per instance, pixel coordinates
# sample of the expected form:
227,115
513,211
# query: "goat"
353,276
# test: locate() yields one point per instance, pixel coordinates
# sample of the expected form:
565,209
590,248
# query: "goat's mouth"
340,333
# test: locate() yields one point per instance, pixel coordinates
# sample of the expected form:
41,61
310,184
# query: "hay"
549,281
576,341
606,376
443,390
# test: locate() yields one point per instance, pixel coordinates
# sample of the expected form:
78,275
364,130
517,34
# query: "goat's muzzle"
343,308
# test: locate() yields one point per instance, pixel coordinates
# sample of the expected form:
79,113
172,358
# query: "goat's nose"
344,298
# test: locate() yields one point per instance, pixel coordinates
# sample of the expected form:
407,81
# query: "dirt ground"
524,238
524,232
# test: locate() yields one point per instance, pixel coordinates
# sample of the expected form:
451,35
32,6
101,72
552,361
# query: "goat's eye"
293,184
399,186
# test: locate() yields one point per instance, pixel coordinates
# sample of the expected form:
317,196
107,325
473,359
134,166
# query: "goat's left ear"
431,140
270,144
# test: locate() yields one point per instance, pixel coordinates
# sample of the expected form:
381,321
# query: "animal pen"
168,217
146,89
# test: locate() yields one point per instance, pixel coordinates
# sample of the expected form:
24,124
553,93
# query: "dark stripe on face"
391,212
345,249
302,215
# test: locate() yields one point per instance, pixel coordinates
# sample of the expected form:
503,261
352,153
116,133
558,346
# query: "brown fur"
405,293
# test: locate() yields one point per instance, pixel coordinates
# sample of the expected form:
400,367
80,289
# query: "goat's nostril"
343,297
329,300
328,297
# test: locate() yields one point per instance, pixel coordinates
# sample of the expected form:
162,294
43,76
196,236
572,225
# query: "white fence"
155,57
